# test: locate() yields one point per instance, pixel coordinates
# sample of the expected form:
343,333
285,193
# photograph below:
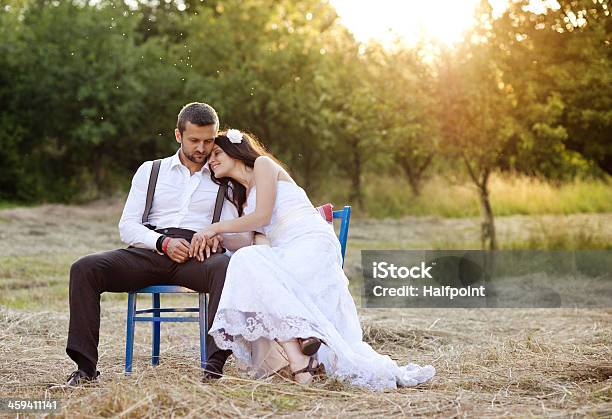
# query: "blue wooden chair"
344,215
156,310
156,318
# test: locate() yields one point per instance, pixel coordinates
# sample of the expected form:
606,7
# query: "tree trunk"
100,182
415,185
355,194
488,238
415,172
414,179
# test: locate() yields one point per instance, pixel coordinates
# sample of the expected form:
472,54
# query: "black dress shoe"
80,377
214,365
212,371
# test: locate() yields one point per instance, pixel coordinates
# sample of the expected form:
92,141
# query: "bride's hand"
200,244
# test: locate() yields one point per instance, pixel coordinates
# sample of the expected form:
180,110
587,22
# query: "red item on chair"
327,212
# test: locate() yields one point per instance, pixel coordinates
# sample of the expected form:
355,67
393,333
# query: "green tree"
406,103
557,64
475,114
260,66
11,130
81,101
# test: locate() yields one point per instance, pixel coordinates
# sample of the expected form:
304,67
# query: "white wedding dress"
295,287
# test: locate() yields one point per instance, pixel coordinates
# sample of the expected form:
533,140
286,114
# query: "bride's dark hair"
246,151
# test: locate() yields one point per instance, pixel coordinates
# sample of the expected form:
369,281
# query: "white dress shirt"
181,200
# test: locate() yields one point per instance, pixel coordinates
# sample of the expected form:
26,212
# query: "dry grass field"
490,362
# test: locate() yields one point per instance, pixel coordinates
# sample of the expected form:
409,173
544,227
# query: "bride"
289,300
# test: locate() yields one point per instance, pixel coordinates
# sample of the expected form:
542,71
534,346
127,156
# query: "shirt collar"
176,161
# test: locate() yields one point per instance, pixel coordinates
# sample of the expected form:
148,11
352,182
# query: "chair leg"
129,339
156,331
203,315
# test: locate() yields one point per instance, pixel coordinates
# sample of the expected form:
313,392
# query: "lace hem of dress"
236,330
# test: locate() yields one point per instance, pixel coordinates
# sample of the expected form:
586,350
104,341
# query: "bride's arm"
266,177
235,241
260,239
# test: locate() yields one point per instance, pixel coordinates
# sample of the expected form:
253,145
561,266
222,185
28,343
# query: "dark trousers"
127,270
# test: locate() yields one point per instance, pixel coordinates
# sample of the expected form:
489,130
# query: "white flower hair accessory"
234,136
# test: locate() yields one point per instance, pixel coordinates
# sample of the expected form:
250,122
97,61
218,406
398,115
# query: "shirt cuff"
150,239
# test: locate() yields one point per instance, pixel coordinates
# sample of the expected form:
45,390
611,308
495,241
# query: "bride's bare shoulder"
265,160
268,164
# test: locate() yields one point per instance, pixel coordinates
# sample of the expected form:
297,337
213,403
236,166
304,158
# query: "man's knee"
84,270
82,266
217,262
216,267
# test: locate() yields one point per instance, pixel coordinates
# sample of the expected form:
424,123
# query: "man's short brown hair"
197,113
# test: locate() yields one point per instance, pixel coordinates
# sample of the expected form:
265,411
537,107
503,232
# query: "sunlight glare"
409,20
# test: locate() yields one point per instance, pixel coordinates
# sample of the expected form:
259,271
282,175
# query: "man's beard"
197,158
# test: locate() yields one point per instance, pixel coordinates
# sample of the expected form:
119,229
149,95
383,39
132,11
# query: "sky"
385,20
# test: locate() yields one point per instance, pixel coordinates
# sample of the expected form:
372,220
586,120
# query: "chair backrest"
345,215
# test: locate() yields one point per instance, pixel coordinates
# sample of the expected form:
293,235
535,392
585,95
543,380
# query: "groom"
183,203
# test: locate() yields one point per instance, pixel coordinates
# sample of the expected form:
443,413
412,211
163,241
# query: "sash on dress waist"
285,222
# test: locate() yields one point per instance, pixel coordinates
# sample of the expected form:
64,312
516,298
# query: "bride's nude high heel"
311,369
293,350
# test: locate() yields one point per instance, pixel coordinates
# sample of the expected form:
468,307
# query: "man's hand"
203,243
214,243
178,250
